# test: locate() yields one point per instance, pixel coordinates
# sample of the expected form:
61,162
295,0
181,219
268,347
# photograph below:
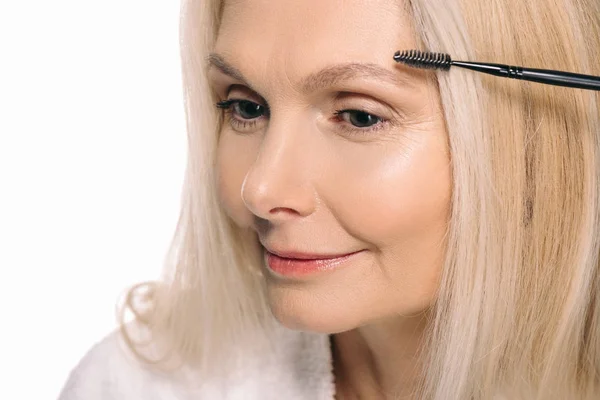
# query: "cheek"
396,201
234,159
397,196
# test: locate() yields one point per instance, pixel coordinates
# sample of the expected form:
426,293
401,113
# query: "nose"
278,185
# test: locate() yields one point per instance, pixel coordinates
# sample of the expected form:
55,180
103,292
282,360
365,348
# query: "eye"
244,109
244,115
358,118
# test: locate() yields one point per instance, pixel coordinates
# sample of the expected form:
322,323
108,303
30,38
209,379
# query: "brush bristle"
420,59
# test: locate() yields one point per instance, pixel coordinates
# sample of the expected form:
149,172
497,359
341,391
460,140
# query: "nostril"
283,210
277,193
257,198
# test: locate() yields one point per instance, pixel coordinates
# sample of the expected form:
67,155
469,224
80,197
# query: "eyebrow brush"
428,60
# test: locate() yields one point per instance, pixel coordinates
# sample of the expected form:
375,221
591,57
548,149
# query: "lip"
296,255
297,264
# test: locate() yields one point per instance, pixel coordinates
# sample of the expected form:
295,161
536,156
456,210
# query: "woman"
353,228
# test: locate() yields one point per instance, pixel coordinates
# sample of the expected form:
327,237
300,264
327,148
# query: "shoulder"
110,371
298,366
99,373
91,377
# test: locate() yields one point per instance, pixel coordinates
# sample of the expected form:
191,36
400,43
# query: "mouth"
296,264
306,256
296,255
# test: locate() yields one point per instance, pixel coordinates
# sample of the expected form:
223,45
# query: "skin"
304,179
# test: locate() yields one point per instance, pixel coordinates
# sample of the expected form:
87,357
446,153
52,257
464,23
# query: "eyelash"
226,107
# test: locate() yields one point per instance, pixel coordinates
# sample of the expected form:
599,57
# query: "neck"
379,360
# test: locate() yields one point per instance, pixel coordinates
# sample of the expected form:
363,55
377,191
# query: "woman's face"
334,149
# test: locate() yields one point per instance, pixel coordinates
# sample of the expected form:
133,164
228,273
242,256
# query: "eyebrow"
329,76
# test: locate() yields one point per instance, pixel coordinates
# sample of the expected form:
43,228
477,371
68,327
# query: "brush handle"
557,78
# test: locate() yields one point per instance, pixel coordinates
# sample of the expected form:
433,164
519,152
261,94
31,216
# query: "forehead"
296,37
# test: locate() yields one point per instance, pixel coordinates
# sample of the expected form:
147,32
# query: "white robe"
299,369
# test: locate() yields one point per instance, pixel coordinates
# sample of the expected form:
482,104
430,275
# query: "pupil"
249,110
362,119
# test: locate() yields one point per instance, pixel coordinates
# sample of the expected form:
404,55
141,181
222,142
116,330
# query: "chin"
301,310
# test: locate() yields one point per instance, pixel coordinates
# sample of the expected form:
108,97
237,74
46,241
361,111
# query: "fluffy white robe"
300,368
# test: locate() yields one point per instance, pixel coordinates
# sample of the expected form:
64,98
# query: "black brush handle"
557,78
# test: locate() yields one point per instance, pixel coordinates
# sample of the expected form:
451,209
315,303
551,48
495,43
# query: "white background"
92,154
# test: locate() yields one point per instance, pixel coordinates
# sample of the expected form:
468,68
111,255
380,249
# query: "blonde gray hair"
517,313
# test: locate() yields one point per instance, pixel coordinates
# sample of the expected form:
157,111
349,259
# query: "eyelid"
366,103
361,108
387,116
242,92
